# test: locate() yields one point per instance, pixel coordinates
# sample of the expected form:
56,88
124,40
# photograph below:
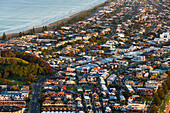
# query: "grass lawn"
73,89
148,99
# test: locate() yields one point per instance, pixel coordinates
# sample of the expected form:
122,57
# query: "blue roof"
12,92
97,74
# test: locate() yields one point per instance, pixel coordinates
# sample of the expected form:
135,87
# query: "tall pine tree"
43,29
20,34
46,28
33,30
4,37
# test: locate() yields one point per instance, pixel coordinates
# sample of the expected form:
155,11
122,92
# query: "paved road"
148,31
35,94
154,24
128,15
34,105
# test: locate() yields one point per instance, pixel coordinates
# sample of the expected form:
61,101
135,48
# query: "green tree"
46,28
157,100
33,30
168,79
43,29
154,109
165,88
6,74
4,37
28,83
161,93
20,33
40,71
23,34
4,82
31,77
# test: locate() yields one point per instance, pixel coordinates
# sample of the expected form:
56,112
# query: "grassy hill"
19,60
23,66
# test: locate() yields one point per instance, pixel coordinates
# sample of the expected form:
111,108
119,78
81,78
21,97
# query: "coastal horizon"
18,26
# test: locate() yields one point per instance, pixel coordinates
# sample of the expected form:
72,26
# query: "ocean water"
20,15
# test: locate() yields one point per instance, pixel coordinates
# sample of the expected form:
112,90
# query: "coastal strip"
73,18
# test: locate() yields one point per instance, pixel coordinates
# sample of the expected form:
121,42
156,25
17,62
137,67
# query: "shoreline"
63,20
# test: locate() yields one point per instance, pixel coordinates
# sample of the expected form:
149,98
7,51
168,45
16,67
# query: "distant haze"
20,15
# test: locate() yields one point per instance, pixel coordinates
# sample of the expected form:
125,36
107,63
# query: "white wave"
37,19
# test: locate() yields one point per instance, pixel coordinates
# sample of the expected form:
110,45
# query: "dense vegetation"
161,93
22,65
